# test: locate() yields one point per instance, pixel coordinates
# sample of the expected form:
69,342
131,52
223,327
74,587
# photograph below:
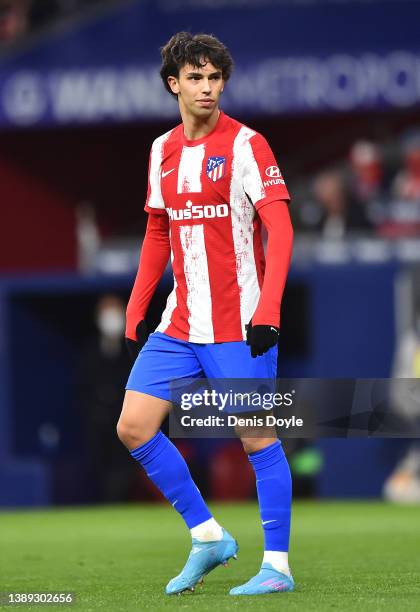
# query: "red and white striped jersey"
212,189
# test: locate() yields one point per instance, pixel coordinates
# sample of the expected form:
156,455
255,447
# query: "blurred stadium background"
335,87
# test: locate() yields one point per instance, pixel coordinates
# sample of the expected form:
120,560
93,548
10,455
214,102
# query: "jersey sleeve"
262,180
279,251
154,199
154,257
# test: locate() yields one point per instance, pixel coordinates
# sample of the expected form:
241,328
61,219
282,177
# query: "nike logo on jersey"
167,172
266,522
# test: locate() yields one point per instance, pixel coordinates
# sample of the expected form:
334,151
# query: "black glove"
134,347
261,337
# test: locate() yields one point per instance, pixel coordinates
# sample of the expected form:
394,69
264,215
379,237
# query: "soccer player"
212,182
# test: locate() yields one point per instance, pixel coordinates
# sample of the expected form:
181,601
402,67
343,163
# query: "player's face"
198,89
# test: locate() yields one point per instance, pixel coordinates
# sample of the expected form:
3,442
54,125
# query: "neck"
198,127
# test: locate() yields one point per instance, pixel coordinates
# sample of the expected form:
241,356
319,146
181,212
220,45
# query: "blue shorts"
164,359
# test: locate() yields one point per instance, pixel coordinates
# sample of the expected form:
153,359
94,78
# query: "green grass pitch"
344,556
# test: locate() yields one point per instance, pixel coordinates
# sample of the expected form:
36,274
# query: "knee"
252,445
123,432
133,435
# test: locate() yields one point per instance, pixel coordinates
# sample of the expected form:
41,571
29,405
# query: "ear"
173,84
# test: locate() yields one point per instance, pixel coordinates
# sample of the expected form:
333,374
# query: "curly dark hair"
195,49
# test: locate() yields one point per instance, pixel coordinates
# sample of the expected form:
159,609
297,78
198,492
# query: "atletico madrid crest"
216,168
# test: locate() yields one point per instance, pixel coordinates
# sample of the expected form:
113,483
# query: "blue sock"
274,488
166,467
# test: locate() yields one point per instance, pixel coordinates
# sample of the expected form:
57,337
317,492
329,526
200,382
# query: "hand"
134,346
261,338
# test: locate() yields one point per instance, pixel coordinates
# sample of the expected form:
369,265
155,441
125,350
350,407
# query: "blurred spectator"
88,236
367,172
333,211
14,20
369,183
103,372
403,216
406,185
